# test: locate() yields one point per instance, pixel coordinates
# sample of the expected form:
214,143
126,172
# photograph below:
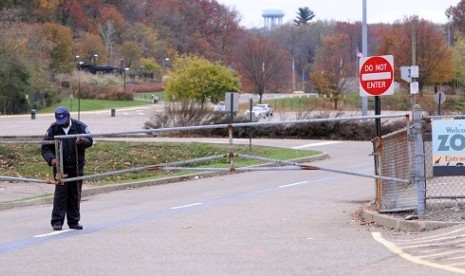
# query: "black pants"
67,199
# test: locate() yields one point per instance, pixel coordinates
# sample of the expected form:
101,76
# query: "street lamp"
95,56
166,63
124,81
79,63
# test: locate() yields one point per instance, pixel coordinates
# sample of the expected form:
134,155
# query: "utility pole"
364,52
293,75
414,55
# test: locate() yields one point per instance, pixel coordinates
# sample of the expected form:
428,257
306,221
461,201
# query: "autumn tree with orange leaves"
333,67
433,56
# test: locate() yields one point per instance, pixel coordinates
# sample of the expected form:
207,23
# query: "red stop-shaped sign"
376,76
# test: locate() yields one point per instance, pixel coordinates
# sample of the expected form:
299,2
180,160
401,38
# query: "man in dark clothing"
67,195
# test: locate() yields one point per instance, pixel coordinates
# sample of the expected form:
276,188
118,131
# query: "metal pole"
124,80
439,104
378,112
418,176
79,95
414,55
231,106
231,153
250,119
364,51
79,88
293,75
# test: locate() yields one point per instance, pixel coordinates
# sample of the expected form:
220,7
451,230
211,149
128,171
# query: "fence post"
418,176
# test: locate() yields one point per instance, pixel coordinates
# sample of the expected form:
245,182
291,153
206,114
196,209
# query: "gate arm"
308,167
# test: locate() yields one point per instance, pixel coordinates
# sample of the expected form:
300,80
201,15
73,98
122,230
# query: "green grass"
147,96
88,105
26,160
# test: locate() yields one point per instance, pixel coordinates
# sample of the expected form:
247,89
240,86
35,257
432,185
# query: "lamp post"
166,63
95,56
124,81
79,63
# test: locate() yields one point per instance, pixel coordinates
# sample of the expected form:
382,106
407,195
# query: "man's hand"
53,162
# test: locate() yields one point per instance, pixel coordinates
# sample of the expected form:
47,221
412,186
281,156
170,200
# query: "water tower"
273,17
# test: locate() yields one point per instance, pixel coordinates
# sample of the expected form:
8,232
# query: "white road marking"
398,251
449,252
439,237
186,206
293,184
52,233
316,144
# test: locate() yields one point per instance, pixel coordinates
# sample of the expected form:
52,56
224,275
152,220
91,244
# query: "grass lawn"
88,105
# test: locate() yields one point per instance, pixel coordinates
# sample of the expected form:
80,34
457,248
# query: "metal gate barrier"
393,153
180,165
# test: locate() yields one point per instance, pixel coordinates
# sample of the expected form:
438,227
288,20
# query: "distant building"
273,18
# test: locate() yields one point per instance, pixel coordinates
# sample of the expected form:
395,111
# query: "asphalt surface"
132,119
240,224
258,223
125,119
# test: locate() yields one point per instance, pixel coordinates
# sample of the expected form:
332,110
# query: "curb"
401,225
134,185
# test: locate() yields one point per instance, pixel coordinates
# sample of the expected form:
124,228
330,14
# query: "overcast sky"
385,11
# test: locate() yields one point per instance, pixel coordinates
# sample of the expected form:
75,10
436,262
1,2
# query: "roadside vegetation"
112,50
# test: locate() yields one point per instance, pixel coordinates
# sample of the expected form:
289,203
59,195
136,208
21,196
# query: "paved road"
261,223
125,119
98,121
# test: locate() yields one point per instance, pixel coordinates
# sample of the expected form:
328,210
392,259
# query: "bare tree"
109,35
263,64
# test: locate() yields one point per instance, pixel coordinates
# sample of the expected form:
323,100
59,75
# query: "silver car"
257,112
267,107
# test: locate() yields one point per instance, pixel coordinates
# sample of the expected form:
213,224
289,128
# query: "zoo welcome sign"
448,147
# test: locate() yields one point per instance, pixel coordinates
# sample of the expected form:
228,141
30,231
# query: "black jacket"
69,145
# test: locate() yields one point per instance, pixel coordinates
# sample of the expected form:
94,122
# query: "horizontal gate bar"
249,124
24,179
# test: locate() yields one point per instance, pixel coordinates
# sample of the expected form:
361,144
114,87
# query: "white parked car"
267,107
257,112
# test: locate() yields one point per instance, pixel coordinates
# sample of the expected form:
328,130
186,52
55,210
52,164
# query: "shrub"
332,130
103,87
185,113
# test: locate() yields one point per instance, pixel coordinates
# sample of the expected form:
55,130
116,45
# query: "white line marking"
293,184
448,252
398,251
186,206
316,144
52,233
376,76
433,238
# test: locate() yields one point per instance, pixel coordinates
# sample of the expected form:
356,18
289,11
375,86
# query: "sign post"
376,79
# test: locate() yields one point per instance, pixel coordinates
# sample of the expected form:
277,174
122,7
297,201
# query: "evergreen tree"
304,16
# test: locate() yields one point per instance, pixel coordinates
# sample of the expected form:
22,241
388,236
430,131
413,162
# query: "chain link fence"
396,156
393,155
445,195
